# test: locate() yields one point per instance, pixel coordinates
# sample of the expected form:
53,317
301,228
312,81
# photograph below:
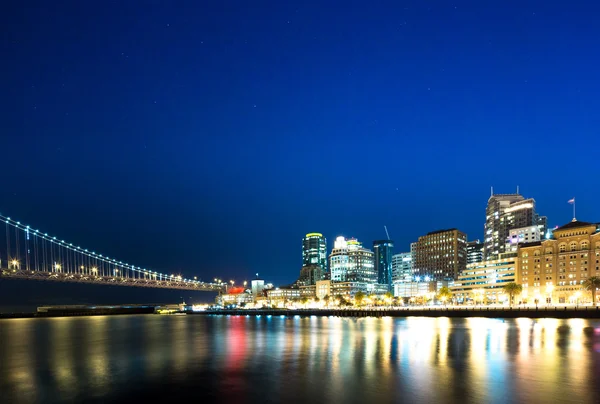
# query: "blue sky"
209,137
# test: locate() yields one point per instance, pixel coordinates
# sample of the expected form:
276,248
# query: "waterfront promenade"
454,312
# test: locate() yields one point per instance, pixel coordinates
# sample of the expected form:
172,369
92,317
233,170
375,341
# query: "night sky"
208,137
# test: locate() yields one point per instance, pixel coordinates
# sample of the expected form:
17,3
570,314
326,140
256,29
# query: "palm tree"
592,284
512,289
444,294
359,297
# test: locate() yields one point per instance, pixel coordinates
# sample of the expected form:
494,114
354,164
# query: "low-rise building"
283,294
484,281
412,289
237,299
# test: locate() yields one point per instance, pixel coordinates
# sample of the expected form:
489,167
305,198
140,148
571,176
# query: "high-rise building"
383,250
402,267
440,255
314,250
350,262
503,213
474,251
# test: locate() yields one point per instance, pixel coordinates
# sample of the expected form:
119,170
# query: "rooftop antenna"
517,189
386,232
492,191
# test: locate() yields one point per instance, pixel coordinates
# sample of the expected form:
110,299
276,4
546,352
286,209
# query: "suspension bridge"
27,253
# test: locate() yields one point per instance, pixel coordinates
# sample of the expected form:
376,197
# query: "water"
275,359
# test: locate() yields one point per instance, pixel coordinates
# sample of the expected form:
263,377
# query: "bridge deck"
107,280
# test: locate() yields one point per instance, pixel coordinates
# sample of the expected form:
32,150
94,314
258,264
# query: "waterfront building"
503,213
323,289
483,282
553,270
440,255
474,251
383,250
257,286
413,289
402,267
314,251
521,235
351,262
234,299
276,295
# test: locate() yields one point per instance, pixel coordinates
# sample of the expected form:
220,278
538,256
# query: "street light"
15,263
57,266
549,289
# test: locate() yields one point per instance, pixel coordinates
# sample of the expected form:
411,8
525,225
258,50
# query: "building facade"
553,270
383,251
350,262
314,251
474,251
483,282
402,267
503,213
440,255
522,235
310,274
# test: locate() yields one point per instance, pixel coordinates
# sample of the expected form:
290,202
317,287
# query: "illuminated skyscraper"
383,250
314,251
350,262
506,212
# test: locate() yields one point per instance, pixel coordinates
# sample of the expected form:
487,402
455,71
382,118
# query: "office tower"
314,250
503,213
441,255
402,267
383,250
350,262
474,251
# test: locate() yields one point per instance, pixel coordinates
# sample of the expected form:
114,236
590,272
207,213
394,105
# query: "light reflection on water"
315,359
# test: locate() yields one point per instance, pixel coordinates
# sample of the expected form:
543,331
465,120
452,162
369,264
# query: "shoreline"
541,312
487,312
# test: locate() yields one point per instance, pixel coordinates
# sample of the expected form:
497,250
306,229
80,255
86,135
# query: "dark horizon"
209,139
